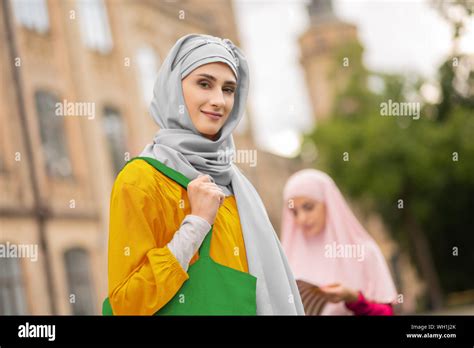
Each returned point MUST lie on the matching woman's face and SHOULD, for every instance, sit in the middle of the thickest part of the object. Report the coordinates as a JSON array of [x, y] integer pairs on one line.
[[209, 96], [310, 215]]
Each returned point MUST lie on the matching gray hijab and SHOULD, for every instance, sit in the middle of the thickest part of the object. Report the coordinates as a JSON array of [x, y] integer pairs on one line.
[[180, 146]]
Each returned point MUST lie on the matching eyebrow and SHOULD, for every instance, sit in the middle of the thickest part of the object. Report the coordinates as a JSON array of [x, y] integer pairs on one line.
[[210, 77]]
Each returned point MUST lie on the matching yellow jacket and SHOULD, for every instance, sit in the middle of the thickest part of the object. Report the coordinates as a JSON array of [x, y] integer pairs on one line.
[[146, 209]]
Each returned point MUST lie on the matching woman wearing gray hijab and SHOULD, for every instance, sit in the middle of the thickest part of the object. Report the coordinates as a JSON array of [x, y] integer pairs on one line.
[[188, 232]]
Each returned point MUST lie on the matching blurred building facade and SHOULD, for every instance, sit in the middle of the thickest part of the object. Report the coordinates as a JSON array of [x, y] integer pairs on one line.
[[99, 60]]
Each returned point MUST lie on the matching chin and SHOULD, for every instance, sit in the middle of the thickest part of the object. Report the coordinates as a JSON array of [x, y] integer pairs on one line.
[[208, 131], [313, 233]]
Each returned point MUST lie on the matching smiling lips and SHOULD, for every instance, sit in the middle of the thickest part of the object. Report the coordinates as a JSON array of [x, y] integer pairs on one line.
[[212, 115]]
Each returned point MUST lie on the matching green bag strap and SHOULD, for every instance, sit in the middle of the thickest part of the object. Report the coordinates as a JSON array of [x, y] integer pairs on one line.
[[205, 249], [169, 172], [182, 180]]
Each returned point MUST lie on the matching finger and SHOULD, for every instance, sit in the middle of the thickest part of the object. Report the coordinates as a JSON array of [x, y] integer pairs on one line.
[[222, 198], [330, 292], [210, 183], [218, 193], [329, 287], [211, 186], [204, 178]]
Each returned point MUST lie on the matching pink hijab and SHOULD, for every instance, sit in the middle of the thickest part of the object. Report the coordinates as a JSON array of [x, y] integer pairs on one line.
[[343, 252]]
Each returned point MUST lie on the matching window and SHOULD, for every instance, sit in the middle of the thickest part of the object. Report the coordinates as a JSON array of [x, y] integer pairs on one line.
[[81, 294], [52, 136], [12, 292], [147, 63], [32, 14], [115, 133], [94, 24]]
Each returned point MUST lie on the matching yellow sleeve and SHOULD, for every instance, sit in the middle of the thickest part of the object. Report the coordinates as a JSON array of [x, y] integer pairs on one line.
[[143, 276]]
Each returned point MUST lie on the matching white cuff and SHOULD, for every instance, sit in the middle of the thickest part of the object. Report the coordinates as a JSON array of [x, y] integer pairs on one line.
[[187, 240]]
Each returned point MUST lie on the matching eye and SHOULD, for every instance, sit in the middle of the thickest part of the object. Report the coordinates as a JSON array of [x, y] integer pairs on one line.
[[229, 90], [204, 84], [308, 206]]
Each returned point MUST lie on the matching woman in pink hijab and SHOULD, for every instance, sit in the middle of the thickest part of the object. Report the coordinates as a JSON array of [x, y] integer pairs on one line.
[[327, 246]]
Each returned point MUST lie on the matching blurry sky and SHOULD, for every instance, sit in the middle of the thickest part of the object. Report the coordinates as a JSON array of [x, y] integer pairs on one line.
[[398, 36]]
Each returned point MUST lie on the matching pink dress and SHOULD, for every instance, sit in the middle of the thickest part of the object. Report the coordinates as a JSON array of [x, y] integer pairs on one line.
[[364, 307]]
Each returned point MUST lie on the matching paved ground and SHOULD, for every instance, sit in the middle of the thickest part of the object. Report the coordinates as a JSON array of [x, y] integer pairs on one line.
[[461, 310]]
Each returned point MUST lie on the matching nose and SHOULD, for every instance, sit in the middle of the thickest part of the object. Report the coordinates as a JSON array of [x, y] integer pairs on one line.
[[217, 99]]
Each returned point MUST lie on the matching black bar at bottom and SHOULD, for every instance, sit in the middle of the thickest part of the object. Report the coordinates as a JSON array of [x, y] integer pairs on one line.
[[135, 331]]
